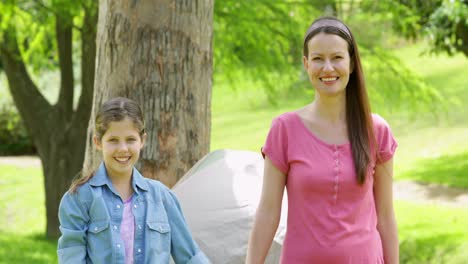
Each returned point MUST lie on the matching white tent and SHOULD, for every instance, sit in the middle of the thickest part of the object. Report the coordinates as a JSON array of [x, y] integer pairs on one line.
[[219, 197]]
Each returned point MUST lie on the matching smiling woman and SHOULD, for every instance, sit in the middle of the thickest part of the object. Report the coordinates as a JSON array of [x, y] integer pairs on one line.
[[328, 65], [336, 160]]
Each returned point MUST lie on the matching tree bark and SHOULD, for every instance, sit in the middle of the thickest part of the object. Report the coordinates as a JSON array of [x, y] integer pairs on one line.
[[58, 132], [159, 53]]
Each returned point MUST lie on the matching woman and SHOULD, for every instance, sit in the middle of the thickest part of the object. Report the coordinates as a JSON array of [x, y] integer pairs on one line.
[[335, 159]]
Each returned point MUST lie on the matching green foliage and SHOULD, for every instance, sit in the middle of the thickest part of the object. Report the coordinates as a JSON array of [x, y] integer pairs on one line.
[[444, 22], [35, 25], [262, 38], [448, 27], [393, 87], [13, 135]]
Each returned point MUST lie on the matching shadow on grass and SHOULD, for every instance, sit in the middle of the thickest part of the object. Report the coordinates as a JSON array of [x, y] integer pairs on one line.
[[437, 249], [27, 249], [449, 170]]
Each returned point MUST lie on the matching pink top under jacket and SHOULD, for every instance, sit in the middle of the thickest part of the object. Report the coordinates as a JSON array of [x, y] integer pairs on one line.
[[331, 218]]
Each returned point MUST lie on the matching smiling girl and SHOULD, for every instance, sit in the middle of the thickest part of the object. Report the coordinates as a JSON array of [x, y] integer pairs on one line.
[[115, 215]]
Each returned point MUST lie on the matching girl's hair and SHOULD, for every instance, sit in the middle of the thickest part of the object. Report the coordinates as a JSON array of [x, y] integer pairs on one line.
[[358, 112], [114, 110]]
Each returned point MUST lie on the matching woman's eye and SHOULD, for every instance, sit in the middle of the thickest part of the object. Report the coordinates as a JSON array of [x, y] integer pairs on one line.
[[338, 57], [113, 140], [316, 59]]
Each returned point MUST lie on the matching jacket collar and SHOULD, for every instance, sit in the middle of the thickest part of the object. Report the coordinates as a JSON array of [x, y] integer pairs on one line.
[[101, 178]]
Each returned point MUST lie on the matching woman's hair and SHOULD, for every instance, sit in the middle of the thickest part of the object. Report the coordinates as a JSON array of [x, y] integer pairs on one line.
[[114, 110], [358, 112]]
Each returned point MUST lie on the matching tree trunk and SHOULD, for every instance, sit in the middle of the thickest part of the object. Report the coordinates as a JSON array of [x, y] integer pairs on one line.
[[158, 53], [58, 131]]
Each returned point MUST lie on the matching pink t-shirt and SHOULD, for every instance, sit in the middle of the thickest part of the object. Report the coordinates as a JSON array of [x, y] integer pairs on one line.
[[331, 218], [127, 230]]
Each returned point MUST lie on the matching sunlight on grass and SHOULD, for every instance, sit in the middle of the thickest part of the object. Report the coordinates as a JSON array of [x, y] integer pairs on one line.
[[22, 201], [31, 248], [432, 234]]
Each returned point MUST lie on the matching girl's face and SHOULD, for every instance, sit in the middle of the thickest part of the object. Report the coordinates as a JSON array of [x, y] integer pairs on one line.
[[120, 146], [328, 64]]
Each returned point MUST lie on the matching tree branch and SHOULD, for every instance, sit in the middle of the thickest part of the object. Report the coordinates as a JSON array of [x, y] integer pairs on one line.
[[63, 30], [31, 104], [88, 58]]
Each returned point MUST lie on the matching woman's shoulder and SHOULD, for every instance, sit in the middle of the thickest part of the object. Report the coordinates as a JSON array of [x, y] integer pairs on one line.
[[286, 118], [379, 122]]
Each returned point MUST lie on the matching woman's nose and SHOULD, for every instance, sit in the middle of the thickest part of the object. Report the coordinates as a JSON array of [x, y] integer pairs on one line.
[[327, 66]]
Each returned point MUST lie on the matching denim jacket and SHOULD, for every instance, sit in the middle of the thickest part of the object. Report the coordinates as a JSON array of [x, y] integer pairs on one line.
[[90, 222]]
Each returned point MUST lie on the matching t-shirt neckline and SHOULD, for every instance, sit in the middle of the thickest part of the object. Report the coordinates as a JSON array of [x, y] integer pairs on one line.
[[315, 137]]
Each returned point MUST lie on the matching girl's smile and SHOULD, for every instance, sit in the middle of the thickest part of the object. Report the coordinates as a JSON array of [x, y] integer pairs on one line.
[[120, 146]]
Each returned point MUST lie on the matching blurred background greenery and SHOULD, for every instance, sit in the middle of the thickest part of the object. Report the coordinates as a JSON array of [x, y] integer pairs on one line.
[[415, 66]]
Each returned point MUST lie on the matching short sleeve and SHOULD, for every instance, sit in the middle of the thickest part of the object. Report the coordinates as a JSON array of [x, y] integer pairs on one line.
[[385, 140], [276, 145]]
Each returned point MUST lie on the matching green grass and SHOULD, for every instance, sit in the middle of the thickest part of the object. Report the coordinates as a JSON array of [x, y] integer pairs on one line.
[[435, 148], [432, 234], [22, 217]]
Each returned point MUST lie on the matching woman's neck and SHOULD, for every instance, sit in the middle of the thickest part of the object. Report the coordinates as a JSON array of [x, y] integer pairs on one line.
[[332, 109]]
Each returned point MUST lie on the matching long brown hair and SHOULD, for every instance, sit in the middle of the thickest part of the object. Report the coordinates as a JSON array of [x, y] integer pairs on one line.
[[113, 110], [358, 112]]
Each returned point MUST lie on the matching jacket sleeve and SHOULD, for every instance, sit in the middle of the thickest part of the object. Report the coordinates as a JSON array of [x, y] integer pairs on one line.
[[73, 220], [184, 249]]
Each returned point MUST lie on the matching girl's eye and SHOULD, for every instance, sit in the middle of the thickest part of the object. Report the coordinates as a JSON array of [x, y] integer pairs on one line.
[[338, 57], [316, 59], [131, 139], [113, 140]]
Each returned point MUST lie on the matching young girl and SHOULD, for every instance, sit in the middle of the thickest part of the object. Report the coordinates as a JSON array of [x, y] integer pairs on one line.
[[116, 215], [336, 160]]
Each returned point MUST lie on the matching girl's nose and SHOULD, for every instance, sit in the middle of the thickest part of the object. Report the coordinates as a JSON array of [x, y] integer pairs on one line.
[[122, 146]]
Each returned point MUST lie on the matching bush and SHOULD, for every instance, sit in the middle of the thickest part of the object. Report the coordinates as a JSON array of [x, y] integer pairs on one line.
[[13, 135]]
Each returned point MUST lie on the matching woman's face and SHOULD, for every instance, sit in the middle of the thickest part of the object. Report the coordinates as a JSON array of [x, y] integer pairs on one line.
[[328, 64]]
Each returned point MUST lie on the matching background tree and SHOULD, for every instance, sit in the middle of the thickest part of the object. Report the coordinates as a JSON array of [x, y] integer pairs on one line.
[[57, 130], [443, 22], [158, 53]]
